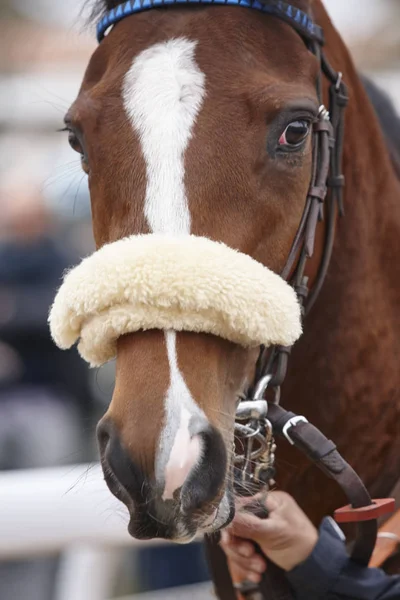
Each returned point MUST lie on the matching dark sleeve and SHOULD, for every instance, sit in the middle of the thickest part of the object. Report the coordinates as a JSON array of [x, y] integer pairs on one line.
[[329, 573]]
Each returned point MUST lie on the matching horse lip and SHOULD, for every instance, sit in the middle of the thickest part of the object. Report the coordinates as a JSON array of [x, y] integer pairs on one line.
[[185, 540], [115, 487], [212, 518], [230, 505]]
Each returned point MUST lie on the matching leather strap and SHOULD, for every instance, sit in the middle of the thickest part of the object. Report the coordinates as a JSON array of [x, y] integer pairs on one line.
[[324, 454], [218, 565], [326, 176], [274, 585]]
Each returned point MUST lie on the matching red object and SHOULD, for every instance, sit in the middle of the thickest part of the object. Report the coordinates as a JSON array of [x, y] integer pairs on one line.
[[379, 507]]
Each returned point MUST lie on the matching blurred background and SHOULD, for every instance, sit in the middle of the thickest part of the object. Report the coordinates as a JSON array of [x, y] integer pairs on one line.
[[49, 400]]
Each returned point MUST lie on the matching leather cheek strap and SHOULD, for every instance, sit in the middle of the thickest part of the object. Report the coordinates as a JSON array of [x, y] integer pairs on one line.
[[323, 452]]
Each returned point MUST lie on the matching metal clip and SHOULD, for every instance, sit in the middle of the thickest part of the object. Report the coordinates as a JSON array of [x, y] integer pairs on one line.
[[323, 113], [339, 81], [251, 409], [264, 470], [255, 464], [262, 387], [291, 423]]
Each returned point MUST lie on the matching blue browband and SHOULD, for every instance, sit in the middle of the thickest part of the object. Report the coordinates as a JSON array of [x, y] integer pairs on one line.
[[296, 17]]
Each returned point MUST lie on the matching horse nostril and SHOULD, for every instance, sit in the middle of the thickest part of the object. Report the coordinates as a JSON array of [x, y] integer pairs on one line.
[[205, 482], [120, 471], [103, 432]]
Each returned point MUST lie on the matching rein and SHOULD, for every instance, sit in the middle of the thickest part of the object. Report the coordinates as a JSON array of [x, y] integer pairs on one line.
[[258, 420]]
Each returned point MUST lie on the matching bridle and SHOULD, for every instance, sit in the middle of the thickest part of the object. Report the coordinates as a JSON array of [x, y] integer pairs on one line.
[[324, 202], [258, 420]]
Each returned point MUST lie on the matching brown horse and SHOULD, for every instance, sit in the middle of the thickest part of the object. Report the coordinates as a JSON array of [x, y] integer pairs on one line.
[[197, 120]]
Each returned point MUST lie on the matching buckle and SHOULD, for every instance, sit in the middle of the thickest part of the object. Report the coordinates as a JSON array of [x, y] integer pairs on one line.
[[292, 423], [379, 507], [323, 113]]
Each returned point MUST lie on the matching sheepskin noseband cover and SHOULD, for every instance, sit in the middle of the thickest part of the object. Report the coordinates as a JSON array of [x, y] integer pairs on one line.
[[162, 282]]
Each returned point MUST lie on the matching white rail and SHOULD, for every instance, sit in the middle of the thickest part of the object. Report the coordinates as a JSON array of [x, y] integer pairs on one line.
[[198, 591], [46, 510], [70, 510]]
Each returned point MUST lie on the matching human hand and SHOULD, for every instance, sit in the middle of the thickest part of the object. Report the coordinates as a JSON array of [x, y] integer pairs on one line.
[[287, 537]]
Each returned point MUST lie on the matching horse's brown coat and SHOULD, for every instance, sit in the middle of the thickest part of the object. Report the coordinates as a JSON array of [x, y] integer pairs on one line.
[[344, 373]]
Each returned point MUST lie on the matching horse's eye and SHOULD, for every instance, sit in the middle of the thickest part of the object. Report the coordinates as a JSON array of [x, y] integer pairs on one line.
[[77, 146], [74, 142], [295, 134]]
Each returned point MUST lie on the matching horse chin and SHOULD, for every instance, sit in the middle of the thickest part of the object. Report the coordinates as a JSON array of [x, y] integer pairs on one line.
[[225, 513], [219, 519], [179, 527], [222, 515]]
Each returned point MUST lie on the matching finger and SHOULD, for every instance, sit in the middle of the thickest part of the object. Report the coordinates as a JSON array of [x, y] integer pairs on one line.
[[255, 563], [248, 565], [241, 547], [239, 574], [250, 527], [271, 500], [241, 501], [242, 553]]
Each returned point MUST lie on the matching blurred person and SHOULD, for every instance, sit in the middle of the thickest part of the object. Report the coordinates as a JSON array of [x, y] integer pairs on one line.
[[32, 261], [43, 391]]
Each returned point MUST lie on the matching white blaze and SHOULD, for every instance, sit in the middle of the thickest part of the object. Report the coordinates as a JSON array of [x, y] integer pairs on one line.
[[185, 450], [163, 93]]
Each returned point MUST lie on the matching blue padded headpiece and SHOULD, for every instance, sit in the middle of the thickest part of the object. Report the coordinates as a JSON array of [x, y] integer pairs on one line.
[[292, 15]]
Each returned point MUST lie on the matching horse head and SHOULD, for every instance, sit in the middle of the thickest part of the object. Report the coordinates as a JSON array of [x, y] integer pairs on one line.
[[194, 127]]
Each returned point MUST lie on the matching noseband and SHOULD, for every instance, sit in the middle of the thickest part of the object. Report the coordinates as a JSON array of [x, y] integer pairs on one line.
[[257, 419]]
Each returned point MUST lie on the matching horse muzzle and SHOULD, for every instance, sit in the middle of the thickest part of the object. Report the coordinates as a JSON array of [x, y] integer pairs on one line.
[[200, 504]]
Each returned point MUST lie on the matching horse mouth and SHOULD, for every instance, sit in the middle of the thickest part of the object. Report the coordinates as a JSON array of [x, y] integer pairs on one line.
[[179, 528], [156, 520], [217, 520], [223, 515]]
